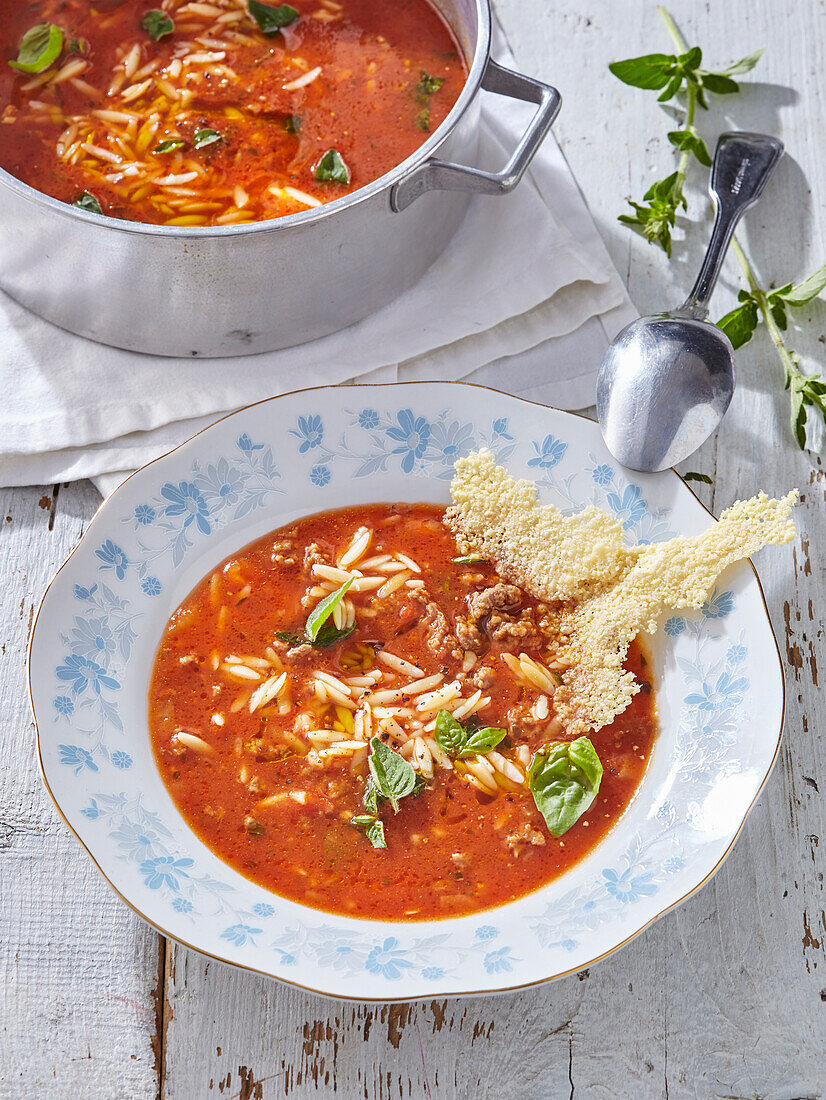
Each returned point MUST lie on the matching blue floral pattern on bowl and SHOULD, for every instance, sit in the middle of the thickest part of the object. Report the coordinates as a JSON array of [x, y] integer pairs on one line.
[[717, 674]]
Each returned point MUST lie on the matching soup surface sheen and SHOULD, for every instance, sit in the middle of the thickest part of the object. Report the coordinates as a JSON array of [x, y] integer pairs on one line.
[[272, 782], [216, 122]]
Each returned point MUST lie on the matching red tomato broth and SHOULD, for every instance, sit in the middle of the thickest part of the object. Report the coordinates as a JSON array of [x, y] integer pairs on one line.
[[308, 852], [366, 103]]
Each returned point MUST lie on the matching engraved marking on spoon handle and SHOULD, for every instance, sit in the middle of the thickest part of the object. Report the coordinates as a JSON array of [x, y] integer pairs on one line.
[[742, 165]]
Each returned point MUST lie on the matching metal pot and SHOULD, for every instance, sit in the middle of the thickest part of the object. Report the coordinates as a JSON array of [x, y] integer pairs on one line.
[[235, 290]]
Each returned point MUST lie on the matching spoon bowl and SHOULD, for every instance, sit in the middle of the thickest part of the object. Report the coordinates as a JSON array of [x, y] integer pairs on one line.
[[667, 380], [676, 376]]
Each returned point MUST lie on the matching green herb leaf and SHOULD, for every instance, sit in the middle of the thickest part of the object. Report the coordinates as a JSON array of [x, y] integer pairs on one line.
[[694, 476], [483, 740], [79, 45], [805, 292], [87, 202], [461, 741], [427, 85], [332, 167], [691, 140], [451, 736], [564, 779], [291, 639], [169, 146], [322, 612], [40, 47], [292, 124], [690, 60], [779, 315], [205, 137], [656, 220], [468, 559], [375, 834], [393, 776], [371, 797], [271, 19], [331, 635], [423, 119], [719, 84], [653, 70], [744, 65], [740, 323], [157, 24]]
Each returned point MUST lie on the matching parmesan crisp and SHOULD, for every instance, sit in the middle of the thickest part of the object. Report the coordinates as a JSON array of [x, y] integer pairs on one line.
[[604, 593]]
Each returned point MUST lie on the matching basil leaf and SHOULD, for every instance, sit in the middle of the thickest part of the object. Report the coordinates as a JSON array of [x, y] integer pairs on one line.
[[271, 19], [744, 65], [653, 70], [423, 119], [806, 291], [40, 46], [87, 202], [157, 24], [292, 124], [290, 638], [483, 740], [332, 167], [330, 634], [427, 85], [371, 797], [740, 323], [691, 140], [450, 734], [719, 84], [205, 137], [375, 834], [324, 610], [468, 559], [564, 779], [169, 146], [692, 475], [79, 45], [391, 773]]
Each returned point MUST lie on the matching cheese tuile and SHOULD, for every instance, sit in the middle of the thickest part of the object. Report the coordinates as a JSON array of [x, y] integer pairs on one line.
[[618, 593], [554, 557]]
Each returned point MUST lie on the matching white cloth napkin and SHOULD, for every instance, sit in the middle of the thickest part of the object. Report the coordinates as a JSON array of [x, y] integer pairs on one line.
[[524, 299]]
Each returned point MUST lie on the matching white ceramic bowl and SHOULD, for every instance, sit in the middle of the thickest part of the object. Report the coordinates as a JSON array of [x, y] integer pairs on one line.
[[718, 681]]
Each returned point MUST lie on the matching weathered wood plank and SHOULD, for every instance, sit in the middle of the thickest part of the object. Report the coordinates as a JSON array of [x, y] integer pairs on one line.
[[79, 972]]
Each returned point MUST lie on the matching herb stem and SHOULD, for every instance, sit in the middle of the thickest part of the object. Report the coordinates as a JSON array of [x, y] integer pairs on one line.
[[762, 300], [691, 92], [672, 28]]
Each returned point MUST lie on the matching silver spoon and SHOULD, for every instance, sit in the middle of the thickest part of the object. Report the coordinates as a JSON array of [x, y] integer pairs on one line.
[[667, 380]]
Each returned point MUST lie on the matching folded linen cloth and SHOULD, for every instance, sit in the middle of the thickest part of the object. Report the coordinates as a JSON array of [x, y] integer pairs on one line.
[[524, 299]]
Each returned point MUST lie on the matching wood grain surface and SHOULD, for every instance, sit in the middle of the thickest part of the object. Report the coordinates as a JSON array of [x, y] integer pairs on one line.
[[723, 998]]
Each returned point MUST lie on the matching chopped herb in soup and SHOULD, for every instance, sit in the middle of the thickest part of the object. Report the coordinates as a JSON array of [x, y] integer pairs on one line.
[[221, 112], [357, 718]]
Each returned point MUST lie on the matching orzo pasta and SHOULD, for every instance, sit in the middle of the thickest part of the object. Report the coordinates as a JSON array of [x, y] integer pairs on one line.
[[220, 112]]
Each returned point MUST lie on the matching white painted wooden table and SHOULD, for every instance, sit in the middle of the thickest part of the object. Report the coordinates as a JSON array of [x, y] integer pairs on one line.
[[726, 997]]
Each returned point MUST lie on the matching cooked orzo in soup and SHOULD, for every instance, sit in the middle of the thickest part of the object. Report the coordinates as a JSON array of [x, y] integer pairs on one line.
[[217, 112], [360, 719]]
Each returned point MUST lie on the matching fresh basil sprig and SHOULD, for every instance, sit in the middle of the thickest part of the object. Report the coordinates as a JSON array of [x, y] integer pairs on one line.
[[205, 137], [393, 777], [87, 202], [169, 146], [39, 48], [460, 741], [157, 24], [655, 217], [271, 19], [373, 828], [564, 779], [318, 631], [332, 167]]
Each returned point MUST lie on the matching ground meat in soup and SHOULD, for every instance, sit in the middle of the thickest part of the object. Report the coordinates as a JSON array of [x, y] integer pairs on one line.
[[262, 738]]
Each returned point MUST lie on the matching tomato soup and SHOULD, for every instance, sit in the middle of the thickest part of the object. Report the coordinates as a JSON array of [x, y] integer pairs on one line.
[[356, 718], [218, 112]]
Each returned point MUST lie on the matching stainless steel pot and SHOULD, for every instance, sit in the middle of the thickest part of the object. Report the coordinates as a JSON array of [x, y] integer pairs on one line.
[[235, 290]]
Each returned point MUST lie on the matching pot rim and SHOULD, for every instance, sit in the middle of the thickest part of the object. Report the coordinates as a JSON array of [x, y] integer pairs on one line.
[[476, 71]]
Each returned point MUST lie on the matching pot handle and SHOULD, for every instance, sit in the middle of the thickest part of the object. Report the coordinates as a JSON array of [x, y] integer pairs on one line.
[[438, 175]]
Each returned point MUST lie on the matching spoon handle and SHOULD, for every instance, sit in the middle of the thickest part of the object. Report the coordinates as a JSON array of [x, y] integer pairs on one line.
[[742, 165]]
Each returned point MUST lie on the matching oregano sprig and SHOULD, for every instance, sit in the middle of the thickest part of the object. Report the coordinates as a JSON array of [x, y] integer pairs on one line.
[[682, 74]]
